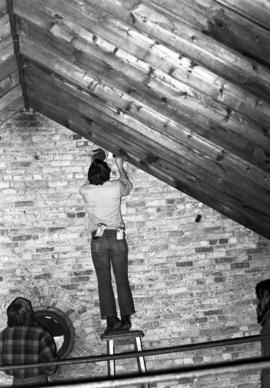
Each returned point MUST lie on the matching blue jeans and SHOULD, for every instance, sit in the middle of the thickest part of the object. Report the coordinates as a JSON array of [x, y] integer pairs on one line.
[[107, 251]]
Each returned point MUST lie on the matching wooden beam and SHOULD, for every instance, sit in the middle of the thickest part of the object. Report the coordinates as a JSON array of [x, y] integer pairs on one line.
[[17, 53]]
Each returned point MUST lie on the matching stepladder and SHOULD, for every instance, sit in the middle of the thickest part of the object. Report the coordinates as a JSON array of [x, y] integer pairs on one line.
[[132, 337]]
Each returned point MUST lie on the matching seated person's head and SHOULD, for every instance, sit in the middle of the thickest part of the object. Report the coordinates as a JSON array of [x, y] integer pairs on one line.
[[263, 298], [99, 172], [20, 313]]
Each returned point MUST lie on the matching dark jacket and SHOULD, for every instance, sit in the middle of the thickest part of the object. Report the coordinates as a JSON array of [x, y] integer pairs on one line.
[[265, 347]]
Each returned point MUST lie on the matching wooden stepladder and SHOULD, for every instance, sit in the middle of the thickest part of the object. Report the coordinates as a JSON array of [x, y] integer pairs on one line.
[[134, 337]]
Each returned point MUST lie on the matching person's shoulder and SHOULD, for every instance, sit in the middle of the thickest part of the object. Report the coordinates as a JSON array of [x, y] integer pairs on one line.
[[4, 332], [115, 184], [8, 330], [86, 187], [266, 320], [36, 330]]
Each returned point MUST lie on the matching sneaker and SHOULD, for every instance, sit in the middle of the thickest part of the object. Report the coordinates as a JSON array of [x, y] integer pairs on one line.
[[113, 323], [126, 323]]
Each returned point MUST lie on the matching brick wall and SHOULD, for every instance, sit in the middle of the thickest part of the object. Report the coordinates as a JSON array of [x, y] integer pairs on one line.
[[192, 277]]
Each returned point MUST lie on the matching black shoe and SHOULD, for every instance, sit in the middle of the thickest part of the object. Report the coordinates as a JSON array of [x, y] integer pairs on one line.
[[126, 322], [113, 323]]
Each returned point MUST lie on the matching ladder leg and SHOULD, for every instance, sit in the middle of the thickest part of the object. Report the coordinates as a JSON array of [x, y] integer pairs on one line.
[[111, 363], [140, 359]]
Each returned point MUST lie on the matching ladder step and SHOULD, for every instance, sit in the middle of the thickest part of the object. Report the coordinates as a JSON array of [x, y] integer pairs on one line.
[[120, 334]]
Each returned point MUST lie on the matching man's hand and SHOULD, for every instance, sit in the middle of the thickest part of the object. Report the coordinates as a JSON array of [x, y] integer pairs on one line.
[[126, 184], [118, 161]]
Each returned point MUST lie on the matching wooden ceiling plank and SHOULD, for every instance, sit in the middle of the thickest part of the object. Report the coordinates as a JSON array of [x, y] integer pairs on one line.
[[187, 136], [230, 120], [258, 11], [101, 134], [104, 92], [180, 69], [195, 79], [220, 59], [86, 103], [245, 188], [195, 124], [4, 27], [225, 87], [252, 71], [82, 126], [155, 119], [261, 156], [224, 25], [3, 7], [9, 83], [121, 130], [144, 114], [100, 89], [11, 109], [12, 95], [7, 67], [6, 49], [26, 9], [246, 168]]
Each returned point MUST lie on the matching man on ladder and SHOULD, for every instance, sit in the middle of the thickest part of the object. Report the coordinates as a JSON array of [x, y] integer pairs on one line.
[[102, 200]]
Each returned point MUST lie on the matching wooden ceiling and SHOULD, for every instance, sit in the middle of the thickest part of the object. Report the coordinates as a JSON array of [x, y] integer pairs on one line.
[[11, 100], [180, 87]]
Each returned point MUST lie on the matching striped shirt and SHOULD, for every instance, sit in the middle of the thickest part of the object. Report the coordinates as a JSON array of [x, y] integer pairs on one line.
[[27, 344]]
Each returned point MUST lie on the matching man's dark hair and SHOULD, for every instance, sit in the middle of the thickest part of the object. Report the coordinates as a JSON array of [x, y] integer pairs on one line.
[[99, 172], [20, 313]]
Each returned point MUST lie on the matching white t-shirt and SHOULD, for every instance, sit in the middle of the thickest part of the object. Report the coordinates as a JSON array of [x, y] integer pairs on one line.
[[102, 203]]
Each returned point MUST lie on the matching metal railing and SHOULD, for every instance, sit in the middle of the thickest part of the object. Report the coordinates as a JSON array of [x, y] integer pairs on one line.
[[162, 375], [167, 376]]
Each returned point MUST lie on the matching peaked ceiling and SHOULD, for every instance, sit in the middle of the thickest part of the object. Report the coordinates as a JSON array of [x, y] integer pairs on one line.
[[180, 87]]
